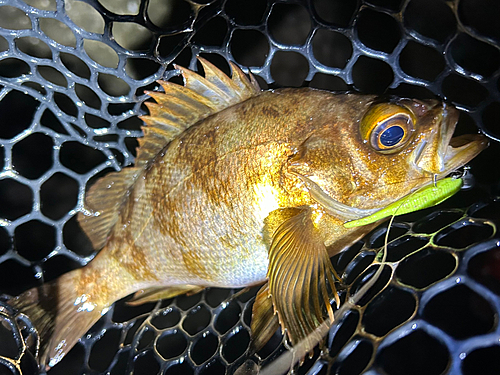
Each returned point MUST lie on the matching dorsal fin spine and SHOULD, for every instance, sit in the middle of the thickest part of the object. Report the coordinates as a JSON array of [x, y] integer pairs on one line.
[[196, 100], [177, 93], [175, 110], [173, 118]]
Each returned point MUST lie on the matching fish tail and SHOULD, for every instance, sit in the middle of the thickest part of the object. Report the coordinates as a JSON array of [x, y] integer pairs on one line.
[[59, 316]]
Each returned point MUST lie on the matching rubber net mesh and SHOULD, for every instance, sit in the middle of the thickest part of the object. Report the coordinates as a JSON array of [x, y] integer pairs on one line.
[[72, 81]]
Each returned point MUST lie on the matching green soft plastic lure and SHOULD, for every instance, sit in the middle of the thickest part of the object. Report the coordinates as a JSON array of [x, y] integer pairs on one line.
[[425, 197]]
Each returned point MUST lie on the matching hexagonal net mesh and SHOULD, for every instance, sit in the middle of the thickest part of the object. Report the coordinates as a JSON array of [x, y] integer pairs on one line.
[[72, 81]]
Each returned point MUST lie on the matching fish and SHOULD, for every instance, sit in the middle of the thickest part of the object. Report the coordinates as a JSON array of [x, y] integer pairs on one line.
[[234, 186]]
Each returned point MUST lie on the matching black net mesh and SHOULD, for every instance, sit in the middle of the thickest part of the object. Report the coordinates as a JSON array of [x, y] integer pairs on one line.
[[72, 81]]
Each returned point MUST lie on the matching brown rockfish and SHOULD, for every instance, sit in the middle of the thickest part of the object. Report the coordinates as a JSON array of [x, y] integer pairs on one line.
[[233, 187]]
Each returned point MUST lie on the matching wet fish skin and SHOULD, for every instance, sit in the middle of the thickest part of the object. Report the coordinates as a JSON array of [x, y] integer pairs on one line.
[[229, 177], [208, 229], [256, 191]]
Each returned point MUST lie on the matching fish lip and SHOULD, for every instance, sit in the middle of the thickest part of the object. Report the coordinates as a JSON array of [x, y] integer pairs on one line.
[[450, 153], [458, 156], [458, 151]]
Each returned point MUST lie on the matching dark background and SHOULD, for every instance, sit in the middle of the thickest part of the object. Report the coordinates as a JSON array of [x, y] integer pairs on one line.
[[72, 81]]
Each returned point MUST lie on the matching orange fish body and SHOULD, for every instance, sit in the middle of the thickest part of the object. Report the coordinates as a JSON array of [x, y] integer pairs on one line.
[[235, 187], [197, 215]]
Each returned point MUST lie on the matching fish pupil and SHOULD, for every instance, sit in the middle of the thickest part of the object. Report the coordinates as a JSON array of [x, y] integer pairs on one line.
[[391, 136]]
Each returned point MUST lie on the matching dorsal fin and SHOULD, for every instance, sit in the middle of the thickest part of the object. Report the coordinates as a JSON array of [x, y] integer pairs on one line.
[[103, 202], [179, 107], [175, 110]]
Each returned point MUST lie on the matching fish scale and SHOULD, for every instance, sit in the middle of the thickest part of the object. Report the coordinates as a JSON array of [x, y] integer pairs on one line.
[[394, 66], [240, 191]]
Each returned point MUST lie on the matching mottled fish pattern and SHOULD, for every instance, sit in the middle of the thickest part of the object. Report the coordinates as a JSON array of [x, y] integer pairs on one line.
[[233, 187]]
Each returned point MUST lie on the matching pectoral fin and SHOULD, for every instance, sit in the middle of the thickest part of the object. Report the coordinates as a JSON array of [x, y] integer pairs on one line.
[[156, 294], [301, 277]]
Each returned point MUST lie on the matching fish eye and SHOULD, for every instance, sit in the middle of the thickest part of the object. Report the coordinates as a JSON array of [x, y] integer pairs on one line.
[[391, 136], [390, 133], [387, 127]]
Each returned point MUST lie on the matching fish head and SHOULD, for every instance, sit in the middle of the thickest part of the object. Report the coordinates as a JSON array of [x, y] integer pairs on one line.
[[368, 153]]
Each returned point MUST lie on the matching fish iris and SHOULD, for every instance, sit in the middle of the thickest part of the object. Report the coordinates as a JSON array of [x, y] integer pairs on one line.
[[387, 127], [392, 136]]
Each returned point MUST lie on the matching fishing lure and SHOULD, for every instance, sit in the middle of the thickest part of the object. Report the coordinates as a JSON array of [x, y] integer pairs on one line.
[[425, 197]]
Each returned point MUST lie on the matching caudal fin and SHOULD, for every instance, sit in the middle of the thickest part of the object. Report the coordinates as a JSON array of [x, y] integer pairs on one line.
[[60, 316]]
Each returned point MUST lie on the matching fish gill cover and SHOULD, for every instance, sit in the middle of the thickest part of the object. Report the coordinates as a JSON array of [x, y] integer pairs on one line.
[[72, 82]]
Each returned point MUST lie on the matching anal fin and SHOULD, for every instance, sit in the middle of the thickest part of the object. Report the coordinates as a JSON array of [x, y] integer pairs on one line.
[[159, 293]]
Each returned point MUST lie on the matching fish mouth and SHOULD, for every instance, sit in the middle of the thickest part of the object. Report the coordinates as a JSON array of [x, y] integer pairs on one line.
[[440, 153]]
